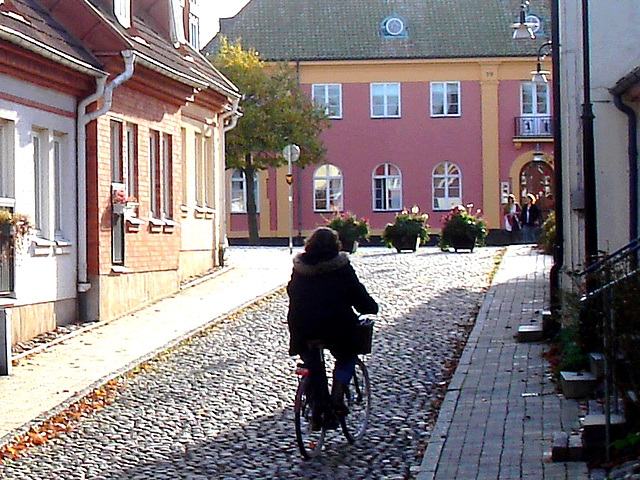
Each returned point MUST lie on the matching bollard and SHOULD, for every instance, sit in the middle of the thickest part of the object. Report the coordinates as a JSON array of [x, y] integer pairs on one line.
[[5, 341]]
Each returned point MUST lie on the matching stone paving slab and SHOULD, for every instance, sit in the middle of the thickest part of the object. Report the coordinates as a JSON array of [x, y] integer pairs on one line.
[[64, 372], [501, 410]]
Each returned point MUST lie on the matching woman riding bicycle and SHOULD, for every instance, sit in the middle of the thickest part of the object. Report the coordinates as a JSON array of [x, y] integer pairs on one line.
[[323, 291]]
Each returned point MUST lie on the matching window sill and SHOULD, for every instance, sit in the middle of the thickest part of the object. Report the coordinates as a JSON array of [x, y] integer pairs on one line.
[[204, 212], [7, 302], [119, 269], [42, 247], [184, 211]]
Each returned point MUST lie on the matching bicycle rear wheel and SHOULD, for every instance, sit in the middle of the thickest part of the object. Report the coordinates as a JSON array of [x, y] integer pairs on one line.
[[309, 441], [358, 400]]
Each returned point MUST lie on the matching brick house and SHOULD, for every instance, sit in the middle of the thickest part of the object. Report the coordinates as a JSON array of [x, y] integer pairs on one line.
[[129, 120], [428, 106]]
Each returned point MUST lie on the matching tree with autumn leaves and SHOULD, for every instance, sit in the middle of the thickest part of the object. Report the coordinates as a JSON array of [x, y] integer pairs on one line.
[[275, 113]]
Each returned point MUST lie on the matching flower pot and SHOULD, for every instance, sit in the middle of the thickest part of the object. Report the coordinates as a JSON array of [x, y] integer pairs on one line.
[[118, 208], [406, 243], [463, 243], [349, 245]]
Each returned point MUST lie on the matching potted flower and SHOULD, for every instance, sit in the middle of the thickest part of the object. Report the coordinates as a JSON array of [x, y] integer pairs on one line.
[[463, 230], [350, 230], [14, 227], [408, 231], [122, 203]]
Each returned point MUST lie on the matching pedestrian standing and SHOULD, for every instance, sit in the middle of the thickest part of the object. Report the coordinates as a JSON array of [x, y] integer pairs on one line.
[[511, 213], [530, 219]]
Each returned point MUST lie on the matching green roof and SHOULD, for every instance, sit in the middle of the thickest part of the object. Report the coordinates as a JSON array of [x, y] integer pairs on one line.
[[353, 29]]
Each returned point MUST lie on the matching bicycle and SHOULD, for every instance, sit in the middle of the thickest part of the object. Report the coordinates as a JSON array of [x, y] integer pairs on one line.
[[357, 399]]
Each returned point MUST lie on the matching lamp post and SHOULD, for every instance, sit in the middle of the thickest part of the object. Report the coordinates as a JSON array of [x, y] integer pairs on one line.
[[291, 153]]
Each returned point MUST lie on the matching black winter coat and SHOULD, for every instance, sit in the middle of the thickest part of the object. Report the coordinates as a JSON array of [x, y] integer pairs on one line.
[[322, 291]]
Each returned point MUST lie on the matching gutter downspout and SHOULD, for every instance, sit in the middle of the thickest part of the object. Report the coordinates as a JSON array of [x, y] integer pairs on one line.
[[84, 118], [558, 247], [232, 117], [632, 128]]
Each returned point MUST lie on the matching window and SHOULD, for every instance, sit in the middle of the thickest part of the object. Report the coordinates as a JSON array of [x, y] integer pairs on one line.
[[387, 187], [199, 160], [329, 96], [445, 99], [154, 169], [117, 171], [58, 155], [209, 174], [122, 11], [393, 26], [327, 189], [40, 184], [385, 100], [239, 192], [131, 146], [167, 176], [194, 31], [184, 170], [7, 159], [534, 98], [446, 185]]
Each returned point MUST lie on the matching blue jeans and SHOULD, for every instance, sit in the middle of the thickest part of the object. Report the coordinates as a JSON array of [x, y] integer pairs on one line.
[[342, 372]]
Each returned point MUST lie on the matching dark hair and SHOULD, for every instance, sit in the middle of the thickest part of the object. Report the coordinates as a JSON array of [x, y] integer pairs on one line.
[[323, 238]]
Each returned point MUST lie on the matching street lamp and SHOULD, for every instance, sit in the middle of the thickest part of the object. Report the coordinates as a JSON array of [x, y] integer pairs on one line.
[[291, 153], [539, 75], [523, 29]]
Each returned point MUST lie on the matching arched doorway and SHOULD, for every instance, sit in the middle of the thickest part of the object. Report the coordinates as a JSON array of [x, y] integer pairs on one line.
[[537, 177]]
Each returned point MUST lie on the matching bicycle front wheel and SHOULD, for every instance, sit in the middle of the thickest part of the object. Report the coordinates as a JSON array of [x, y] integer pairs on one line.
[[310, 441], [358, 400]]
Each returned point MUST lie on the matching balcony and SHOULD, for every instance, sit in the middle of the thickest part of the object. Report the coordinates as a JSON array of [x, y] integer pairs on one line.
[[533, 127]]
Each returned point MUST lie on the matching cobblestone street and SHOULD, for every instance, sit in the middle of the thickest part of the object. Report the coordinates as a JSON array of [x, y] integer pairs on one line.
[[220, 406]]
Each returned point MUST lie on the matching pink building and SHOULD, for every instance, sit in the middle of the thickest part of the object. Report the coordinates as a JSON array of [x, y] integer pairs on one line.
[[424, 110]]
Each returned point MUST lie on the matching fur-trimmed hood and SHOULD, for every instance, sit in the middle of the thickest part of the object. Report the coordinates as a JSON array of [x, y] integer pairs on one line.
[[339, 261]]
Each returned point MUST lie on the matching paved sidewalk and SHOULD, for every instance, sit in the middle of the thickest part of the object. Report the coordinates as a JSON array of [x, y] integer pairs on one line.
[[65, 372], [501, 410]]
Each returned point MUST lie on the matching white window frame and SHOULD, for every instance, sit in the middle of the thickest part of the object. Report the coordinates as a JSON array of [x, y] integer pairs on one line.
[[209, 172], [41, 184], [194, 31], [324, 95], [199, 158], [391, 182], [117, 153], [131, 157], [238, 191], [535, 88], [122, 11], [166, 156], [58, 152], [386, 95], [444, 181], [442, 93], [154, 207], [7, 162], [330, 176]]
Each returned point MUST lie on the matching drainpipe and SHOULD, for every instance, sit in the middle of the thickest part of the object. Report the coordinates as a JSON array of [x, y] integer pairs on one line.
[[84, 118], [558, 247], [632, 140], [232, 117]]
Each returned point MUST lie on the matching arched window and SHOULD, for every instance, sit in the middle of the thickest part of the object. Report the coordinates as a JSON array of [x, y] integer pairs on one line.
[[327, 188], [239, 192], [387, 187], [447, 186]]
